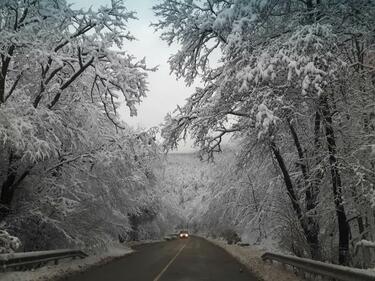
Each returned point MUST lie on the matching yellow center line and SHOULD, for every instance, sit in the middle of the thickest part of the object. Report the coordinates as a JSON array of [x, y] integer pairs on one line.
[[157, 278]]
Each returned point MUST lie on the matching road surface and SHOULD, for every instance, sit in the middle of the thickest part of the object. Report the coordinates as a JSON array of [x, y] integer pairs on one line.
[[192, 259]]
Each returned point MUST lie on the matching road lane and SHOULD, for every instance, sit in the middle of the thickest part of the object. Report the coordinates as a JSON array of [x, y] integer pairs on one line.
[[192, 259], [203, 261], [160, 275]]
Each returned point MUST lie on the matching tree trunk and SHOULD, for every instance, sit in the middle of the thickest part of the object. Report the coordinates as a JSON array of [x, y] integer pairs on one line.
[[361, 228], [5, 61], [312, 235], [313, 189], [7, 190], [344, 228], [6, 195], [9, 186], [310, 227], [287, 180], [2, 89], [134, 223]]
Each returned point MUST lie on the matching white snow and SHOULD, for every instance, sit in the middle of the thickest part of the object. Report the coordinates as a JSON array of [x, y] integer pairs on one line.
[[366, 243], [8, 243], [264, 119], [251, 258], [67, 267]]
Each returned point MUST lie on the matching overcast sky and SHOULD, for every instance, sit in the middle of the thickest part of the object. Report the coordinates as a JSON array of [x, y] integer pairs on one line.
[[164, 91]]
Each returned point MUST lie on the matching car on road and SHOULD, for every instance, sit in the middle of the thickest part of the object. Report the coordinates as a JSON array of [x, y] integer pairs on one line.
[[184, 234]]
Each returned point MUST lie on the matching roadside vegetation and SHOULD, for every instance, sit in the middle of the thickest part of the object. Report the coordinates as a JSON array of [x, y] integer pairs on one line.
[[71, 172], [283, 117], [292, 82]]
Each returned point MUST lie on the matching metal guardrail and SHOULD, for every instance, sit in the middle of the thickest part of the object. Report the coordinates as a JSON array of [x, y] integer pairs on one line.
[[37, 259], [338, 272]]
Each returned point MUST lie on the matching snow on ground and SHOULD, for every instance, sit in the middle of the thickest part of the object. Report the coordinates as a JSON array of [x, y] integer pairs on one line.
[[251, 258], [67, 267], [135, 243], [365, 243]]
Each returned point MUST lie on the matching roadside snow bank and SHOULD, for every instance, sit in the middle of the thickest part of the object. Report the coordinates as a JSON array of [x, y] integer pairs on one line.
[[136, 243], [67, 267], [251, 258]]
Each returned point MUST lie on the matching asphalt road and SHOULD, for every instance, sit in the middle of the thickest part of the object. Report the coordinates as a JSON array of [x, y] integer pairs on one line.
[[192, 259]]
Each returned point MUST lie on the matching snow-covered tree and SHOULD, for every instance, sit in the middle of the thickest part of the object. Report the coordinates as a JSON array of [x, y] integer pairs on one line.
[[72, 172], [282, 86], [56, 64]]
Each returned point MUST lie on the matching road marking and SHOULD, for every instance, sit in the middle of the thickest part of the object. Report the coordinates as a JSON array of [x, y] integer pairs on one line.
[[157, 278]]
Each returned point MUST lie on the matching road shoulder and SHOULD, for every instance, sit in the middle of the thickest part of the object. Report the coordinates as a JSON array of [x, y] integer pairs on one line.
[[69, 267], [251, 258]]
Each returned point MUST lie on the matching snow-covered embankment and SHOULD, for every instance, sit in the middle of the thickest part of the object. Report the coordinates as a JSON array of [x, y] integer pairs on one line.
[[251, 258]]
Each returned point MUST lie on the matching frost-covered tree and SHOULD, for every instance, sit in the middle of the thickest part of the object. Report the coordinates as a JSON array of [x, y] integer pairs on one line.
[[91, 200], [282, 86], [56, 64], [184, 181], [71, 172]]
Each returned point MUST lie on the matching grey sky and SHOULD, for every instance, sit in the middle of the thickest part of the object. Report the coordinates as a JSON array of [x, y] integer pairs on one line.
[[164, 91]]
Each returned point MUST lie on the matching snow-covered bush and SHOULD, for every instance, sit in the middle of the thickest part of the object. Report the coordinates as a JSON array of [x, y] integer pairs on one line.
[[230, 236], [8, 243]]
